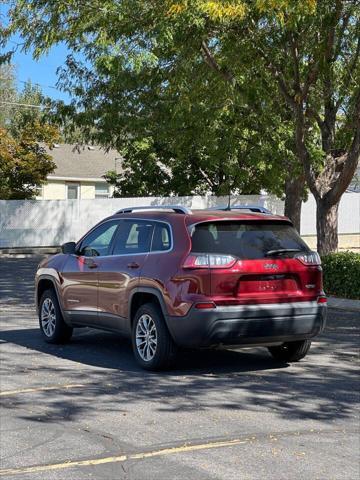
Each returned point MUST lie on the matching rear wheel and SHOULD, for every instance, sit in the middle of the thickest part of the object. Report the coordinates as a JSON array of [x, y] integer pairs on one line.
[[290, 351], [153, 346], [52, 325]]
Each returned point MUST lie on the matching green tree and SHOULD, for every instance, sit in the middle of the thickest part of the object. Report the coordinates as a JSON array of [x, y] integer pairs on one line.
[[24, 163], [14, 114], [307, 52], [139, 85], [23, 116], [8, 93], [187, 144], [314, 59], [310, 51]]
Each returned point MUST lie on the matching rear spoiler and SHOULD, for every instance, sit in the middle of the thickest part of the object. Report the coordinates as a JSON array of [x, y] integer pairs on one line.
[[251, 208]]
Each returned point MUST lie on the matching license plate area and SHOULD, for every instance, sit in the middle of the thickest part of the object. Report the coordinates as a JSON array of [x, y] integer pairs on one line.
[[267, 284]]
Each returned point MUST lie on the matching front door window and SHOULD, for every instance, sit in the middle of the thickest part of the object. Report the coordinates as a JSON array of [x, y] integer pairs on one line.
[[98, 242]]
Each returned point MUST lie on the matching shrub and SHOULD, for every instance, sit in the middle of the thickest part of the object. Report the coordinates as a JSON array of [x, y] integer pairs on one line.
[[342, 274]]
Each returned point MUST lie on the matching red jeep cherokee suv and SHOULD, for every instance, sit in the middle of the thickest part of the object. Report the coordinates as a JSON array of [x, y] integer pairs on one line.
[[168, 277]]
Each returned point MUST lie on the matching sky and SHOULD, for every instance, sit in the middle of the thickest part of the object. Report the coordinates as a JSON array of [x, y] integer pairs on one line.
[[43, 71]]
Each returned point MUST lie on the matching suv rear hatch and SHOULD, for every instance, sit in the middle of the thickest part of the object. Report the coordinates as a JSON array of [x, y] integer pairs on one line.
[[255, 261]]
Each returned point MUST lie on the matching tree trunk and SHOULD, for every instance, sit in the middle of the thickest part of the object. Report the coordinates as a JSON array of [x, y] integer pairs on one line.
[[294, 190], [326, 226]]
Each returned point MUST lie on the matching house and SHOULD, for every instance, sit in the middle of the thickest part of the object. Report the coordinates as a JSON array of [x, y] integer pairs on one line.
[[79, 173]]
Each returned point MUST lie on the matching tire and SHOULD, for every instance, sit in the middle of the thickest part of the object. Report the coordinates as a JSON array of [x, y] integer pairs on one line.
[[290, 351], [51, 321], [153, 347]]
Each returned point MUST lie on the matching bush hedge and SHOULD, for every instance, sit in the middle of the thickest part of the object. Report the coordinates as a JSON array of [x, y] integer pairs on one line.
[[342, 274]]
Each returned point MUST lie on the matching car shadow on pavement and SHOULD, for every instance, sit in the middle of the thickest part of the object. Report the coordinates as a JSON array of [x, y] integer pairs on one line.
[[107, 350], [201, 380]]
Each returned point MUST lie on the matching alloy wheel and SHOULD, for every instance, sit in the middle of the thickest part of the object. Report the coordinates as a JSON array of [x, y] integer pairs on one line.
[[48, 317], [146, 337]]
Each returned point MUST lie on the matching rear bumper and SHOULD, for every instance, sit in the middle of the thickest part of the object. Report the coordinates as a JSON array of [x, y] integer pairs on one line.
[[249, 324]]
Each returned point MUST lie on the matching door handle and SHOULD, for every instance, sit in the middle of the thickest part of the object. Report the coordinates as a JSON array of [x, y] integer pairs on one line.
[[91, 264], [133, 265]]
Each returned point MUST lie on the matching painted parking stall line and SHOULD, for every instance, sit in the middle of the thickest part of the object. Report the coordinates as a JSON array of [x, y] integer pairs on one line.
[[123, 458], [8, 393]]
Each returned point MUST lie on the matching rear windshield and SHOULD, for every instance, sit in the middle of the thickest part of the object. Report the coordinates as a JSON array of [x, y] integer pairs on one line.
[[247, 240]]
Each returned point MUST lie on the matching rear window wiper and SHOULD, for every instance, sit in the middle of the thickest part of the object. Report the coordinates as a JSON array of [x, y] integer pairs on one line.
[[280, 251]]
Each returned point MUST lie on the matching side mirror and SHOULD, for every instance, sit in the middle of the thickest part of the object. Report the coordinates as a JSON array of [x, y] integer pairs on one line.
[[68, 248]]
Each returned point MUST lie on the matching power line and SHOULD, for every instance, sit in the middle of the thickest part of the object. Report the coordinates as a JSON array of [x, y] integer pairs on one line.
[[39, 84], [32, 83], [23, 104]]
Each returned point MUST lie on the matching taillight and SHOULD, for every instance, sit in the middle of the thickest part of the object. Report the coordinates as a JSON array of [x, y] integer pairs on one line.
[[209, 260], [322, 299], [310, 258]]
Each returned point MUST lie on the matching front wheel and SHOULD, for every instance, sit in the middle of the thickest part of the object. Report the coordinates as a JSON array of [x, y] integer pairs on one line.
[[290, 351], [52, 325], [154, 349]]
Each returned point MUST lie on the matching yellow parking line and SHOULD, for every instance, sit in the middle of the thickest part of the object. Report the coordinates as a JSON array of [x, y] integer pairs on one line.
[[59, 466], [7, 393], [121, 458], [187, 448]]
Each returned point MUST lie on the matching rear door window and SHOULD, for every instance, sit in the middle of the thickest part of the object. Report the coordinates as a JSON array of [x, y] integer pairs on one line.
[[134, 236], [247, 239]]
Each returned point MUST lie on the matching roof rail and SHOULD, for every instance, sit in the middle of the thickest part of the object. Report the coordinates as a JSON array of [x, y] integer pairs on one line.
[[176, 208], [252, 208]]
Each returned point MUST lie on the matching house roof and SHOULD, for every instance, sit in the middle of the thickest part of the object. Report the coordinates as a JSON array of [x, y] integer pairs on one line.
[[90, 162]]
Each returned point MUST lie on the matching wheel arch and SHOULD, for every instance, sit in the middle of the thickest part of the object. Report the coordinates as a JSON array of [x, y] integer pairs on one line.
[[44, 283], [142, 295]]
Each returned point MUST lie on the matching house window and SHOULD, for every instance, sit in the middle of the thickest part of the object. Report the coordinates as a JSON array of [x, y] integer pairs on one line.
[[73, 191], [101, 190]]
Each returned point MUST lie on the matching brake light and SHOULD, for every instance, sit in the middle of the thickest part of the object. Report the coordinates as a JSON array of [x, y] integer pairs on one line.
[[209, 260], [322, 300], [310, 258]]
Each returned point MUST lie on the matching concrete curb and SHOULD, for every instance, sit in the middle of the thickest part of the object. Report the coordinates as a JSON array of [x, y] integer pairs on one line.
[[23, 252]]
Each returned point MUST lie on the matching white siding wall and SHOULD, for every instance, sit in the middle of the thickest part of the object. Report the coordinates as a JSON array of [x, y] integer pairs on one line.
[[56, 190], [53, 190], [87, 190]]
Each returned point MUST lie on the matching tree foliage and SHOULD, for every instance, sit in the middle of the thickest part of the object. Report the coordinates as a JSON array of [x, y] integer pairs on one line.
[[8, 93], [315, 61], [144, 71], [143, 82], [196, 149], [22, 116], [24, 163], [310, 52]]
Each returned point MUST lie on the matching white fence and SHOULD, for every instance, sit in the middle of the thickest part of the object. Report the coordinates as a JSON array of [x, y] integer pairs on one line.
[[32, 223]]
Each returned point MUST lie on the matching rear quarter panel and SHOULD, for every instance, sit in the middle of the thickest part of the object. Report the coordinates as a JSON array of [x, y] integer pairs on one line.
[[162, 271]]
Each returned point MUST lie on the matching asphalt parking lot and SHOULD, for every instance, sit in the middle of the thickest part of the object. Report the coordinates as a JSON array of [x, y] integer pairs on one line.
[[85, 410]]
